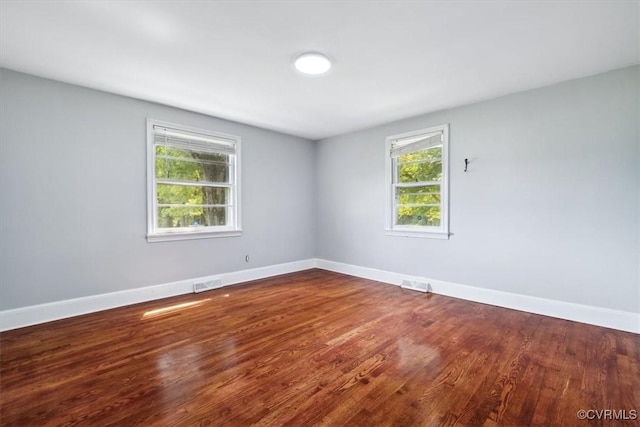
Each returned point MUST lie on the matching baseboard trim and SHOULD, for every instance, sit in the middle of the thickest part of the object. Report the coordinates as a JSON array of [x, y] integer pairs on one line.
[[36, 314], [599, 316]]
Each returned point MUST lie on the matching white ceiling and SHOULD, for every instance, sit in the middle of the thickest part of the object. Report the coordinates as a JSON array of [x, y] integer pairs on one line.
[[392, 59]]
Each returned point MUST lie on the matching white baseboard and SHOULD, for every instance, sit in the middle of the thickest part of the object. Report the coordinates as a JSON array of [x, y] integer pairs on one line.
[[32, 315], [615, 319], [35, 314]]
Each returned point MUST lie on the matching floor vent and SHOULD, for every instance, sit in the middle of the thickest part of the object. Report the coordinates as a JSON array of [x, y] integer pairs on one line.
[[416, 286], [207, 286]]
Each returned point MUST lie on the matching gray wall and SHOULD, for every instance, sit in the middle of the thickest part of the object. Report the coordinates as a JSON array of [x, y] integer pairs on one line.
[[73, 196], [549, 207]]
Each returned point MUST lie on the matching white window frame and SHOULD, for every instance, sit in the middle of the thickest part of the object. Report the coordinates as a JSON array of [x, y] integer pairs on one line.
[[155, 234], [391, 228]]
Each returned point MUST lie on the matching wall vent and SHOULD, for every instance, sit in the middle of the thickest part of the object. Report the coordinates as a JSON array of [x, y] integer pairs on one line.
[[207, 286], [416, 286]]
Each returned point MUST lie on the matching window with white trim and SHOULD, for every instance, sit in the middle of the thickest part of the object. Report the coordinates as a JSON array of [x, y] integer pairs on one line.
[[417, 183], [193, 188]]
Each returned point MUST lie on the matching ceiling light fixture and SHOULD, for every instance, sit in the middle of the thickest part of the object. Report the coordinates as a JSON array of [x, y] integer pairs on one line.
[[312, 63]]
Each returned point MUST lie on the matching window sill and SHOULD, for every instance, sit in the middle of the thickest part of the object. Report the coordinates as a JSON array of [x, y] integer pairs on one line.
[[443, 235], [167, 237]]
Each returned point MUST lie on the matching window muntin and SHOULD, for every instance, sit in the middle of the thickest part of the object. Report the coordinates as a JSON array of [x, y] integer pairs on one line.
[[417, 201], [193, 186]]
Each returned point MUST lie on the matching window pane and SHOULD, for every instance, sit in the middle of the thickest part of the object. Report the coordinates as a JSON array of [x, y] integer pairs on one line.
[[191, 195], [426, 154], [173, 163], [422, 195], [423, 165], [422, 215], [199, 216]]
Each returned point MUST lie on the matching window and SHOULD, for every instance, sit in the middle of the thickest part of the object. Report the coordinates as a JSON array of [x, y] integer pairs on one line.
[[193, 188], [417, 183]]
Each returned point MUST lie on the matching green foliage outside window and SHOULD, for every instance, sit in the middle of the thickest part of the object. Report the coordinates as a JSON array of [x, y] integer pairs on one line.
[[193, 167], [420, 166]]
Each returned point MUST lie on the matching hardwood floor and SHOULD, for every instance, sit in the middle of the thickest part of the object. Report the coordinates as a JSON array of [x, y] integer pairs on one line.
[[317, 348]]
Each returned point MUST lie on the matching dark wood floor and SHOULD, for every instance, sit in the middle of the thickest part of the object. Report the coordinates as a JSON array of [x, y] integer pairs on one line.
[[316, 348]]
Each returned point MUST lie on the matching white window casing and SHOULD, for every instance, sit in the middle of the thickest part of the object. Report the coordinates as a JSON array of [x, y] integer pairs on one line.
[[417, 183], [193, 183]]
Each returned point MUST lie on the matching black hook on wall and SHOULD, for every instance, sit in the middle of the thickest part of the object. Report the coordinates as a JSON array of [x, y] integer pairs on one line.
[[466, 163]]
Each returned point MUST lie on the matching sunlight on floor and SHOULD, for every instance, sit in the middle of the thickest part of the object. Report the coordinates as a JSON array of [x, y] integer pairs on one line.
[[173, 308]]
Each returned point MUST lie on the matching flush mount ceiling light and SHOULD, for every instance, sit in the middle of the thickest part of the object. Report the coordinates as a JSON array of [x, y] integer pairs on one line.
[[312, 63]]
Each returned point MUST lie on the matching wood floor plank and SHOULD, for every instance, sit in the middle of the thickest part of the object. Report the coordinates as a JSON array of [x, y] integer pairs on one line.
[[316, 348]]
